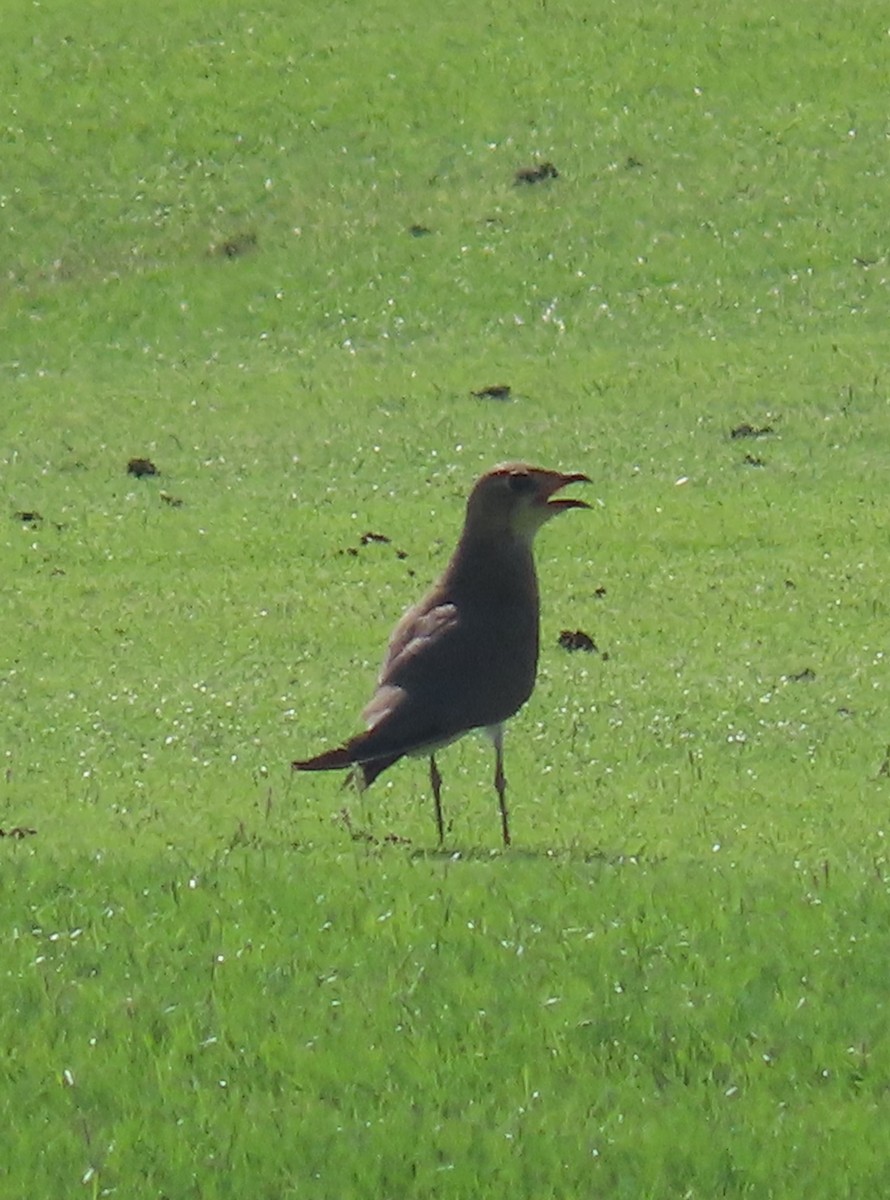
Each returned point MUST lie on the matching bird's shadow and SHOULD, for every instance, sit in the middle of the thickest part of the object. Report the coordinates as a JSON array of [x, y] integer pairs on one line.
[[555, 855], [452, 852]]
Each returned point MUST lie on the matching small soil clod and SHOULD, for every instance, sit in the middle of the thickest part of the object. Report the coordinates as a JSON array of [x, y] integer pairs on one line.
[[370, 538], [236, 246], [495, 391], [536, 174], [577, 639], [141, 467], [807, 675], [746, 430]]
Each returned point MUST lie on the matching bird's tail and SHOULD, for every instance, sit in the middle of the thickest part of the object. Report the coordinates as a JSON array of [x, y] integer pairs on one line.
[[370, 770], [348, 756], [330, 760]]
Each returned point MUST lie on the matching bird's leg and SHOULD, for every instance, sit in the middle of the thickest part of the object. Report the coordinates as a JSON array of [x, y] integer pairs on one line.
[[500, 781], [436, 784]]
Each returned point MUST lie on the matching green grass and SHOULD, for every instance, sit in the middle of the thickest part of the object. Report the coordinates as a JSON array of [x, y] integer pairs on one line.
[[674, 985], [366, 1022]]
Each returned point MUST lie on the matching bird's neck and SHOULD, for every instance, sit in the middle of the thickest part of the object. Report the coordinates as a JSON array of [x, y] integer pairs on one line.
[[503, 566]]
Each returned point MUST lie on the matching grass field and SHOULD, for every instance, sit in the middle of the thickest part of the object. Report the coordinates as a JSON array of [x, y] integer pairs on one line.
[[276, 254]]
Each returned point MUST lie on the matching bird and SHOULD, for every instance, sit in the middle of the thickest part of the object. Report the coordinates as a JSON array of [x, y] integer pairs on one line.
[[465, 656]]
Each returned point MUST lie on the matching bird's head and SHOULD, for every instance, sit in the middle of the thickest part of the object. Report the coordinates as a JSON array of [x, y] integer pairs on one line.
[[516, 499]]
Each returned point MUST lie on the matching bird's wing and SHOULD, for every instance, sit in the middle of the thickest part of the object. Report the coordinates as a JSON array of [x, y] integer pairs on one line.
[[418, 631], [401, 713], [444, 672]]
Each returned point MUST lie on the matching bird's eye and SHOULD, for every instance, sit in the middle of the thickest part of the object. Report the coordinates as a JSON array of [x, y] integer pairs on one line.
[[520, 481]]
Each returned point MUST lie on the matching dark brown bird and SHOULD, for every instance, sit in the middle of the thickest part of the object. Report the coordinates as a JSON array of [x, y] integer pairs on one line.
[[465, 657]]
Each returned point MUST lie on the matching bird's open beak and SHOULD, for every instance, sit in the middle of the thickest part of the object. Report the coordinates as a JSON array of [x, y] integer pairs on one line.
[[555, 482]]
